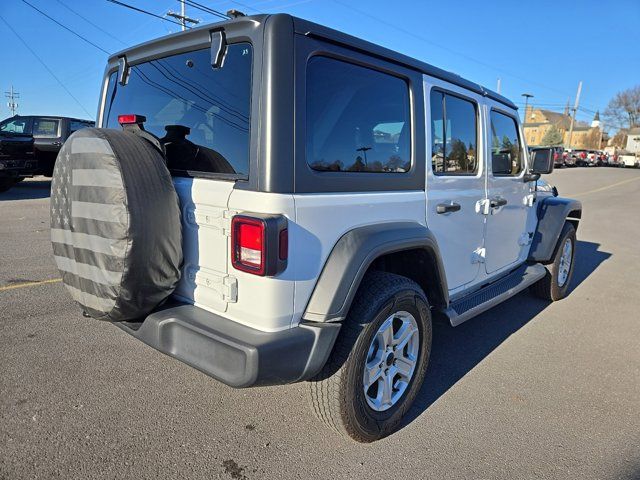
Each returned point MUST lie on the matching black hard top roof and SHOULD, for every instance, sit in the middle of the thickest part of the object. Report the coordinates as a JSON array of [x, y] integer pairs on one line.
[[305, 27]]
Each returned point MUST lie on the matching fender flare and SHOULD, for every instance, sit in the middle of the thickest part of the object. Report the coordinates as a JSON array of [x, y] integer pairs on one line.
[[552, 214], [352, 255]]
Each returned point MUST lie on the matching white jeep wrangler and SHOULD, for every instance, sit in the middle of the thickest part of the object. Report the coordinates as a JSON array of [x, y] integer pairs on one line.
[[272, 201]]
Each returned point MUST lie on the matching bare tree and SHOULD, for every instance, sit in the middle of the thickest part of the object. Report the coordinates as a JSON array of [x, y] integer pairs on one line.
[[624, 108], [620, 139]]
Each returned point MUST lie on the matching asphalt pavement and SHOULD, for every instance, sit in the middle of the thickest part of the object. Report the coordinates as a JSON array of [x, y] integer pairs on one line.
[[527, 390]]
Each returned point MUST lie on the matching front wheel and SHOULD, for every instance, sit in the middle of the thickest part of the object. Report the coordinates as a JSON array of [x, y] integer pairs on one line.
[[379, 361], [555, 284]]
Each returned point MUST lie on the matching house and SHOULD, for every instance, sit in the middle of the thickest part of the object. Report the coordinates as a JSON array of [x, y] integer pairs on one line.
[[633, 141]]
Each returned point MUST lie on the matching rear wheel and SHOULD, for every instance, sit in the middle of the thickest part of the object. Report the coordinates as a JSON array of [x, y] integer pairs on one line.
[[379, 361], [555, 284]]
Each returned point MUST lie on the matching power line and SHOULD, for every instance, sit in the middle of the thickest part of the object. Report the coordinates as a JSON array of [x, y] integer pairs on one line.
[[126, 5], [90, 22], [248, 7], [206, 9], [65, 27], [45, 66]]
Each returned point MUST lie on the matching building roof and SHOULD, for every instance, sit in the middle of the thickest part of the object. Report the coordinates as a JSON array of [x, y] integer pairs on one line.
[[634, 131]]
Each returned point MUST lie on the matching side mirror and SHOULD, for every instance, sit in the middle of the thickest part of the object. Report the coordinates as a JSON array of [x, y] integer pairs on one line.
[[542, 160]]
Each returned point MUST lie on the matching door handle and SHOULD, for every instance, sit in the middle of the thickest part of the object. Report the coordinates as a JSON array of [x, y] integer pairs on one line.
[[447, 207], [498, 202]]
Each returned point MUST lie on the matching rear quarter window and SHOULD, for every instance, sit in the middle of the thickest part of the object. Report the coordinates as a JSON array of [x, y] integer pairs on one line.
[[358, 119]]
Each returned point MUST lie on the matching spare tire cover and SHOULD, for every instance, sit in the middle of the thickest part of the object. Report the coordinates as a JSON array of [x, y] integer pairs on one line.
[[115, 224]]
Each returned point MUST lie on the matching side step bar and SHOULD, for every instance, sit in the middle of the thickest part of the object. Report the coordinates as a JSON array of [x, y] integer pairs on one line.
[[491, 295]]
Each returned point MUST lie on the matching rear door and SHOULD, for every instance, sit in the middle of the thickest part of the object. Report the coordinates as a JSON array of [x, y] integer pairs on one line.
[[510, 198], [455, 180], [202, 116]]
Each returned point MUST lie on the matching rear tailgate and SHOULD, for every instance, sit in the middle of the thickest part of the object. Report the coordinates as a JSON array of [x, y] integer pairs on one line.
[[205, 222]]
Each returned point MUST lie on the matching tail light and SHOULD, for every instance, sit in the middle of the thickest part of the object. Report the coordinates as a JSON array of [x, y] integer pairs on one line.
[[259, 244]]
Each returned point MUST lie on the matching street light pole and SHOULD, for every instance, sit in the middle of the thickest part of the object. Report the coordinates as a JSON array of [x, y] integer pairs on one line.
[[526, 96]]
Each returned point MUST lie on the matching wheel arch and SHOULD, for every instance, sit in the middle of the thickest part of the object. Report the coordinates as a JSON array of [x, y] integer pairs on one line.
[[403, 248], [552, 214]]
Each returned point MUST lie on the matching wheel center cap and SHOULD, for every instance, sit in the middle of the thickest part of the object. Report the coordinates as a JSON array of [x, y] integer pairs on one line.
[[390, 359]]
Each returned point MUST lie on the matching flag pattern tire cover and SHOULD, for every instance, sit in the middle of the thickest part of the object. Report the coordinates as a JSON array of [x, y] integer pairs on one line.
[[115, 224]]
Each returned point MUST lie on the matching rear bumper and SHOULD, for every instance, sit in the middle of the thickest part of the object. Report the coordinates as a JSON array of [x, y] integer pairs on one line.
[[235, 354]]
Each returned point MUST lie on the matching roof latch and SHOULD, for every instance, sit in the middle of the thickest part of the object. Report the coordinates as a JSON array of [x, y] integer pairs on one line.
[[218, 48]]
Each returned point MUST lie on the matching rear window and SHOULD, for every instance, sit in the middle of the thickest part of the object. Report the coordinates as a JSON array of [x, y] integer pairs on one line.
[[358, 119], [201, 114]]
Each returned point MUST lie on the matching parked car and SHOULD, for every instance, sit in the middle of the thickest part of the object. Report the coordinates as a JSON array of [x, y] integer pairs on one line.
[[582, 159], [558, 157], [270, 217], [29, 145], [596, 158], [569, 160], [627, 160]]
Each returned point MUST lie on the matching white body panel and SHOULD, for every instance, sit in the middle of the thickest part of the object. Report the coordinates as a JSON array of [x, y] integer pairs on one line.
[[321, 219], [266, 303]]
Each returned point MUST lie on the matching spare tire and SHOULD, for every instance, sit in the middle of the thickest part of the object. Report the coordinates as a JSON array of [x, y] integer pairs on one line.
[[115, 224]]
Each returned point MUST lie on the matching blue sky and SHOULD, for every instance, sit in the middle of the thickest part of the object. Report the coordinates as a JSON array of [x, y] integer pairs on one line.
[[539, 47]]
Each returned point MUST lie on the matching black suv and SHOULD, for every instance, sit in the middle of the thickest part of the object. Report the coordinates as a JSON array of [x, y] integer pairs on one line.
[[29, 145]]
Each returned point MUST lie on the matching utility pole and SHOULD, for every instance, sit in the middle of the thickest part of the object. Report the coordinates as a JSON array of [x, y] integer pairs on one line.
[[182, 16], [526, 96], [12, 95], [573, 117], [498, 87]]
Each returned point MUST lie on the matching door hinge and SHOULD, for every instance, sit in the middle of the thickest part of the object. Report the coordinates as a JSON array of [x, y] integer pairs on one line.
[[230, 289], [478, 255], [225, 286], [227, 215]]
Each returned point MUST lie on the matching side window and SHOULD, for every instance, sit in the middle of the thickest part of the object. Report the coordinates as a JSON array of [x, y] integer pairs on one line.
[[45, 127], [358, 119], [454, 135], [506, 148]]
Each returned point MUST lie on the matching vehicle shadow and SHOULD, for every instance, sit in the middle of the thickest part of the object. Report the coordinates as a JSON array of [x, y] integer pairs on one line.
[[28, 190], [456, 351]]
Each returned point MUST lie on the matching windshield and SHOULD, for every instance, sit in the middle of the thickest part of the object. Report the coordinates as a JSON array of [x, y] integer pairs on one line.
[[201, 114]]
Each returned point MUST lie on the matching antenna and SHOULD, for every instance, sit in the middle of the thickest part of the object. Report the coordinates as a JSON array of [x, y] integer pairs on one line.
[[12, 95]]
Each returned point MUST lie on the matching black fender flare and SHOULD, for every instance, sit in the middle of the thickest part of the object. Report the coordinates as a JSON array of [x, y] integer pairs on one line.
[[552, 214], [352, 255]]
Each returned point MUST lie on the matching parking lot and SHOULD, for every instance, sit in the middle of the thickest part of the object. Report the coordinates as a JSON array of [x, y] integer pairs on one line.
[[526, 390]]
